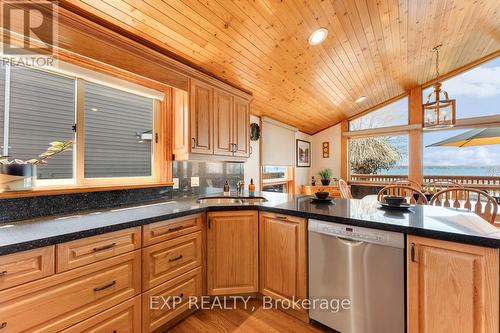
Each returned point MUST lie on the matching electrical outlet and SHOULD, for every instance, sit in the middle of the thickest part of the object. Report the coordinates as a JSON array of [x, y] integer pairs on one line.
[[176, 183], [195, 181]]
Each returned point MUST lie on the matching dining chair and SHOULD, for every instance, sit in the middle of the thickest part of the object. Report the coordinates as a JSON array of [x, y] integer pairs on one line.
[[436, 186], [406, 182], [472, 199], [414, 194], [345, 191]]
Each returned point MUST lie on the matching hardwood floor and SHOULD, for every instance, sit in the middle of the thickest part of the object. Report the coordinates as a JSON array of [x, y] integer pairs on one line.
[[254, 319]]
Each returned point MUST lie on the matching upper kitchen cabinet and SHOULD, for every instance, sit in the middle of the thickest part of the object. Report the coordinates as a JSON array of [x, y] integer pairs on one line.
[[201, 117], [210, 123]]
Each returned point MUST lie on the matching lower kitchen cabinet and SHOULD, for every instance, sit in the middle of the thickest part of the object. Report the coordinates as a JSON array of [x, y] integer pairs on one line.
[[123, 318], [283, 256], [232, 252], [452, 287]]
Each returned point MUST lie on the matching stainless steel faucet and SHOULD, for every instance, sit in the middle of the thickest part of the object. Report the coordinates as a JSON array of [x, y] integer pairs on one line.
[[240, 186]]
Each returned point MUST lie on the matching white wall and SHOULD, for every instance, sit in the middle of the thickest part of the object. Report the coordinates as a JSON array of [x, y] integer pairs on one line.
[[302, 175], [332, 135], [251, 166]]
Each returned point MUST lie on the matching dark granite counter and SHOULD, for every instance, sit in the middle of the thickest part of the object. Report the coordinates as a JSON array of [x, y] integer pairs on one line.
[[435, 222]]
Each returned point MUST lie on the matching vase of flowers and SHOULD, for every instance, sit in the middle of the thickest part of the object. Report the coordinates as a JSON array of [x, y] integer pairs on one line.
[[326, 176], [20, 175]]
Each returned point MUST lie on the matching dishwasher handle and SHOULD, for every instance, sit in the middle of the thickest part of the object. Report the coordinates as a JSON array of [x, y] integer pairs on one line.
[[349, 241]]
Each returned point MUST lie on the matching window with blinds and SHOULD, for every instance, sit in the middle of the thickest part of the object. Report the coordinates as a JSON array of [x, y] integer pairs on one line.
[[118, 132], [38, 107]]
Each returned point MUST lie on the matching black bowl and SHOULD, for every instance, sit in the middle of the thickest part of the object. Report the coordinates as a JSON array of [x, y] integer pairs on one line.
[[394, 200], [321, 195]]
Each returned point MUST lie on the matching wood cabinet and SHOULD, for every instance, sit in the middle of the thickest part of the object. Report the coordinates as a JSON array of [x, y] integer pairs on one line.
[[333, 190], [283, 256], [223, 123], [232, 252], [201, 117], [452, 287], [214, 125], [241, 127], [61, 300], [85, 251], [123, 318], [164, 230], [169, 259], [22, 267]]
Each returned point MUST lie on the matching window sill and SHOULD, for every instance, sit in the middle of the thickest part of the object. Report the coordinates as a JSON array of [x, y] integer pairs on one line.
[[68, 189]]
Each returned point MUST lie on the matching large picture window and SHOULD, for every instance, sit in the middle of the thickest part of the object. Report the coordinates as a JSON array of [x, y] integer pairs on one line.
[[377, 158], [393, 114], [477, 90], [117, 126]]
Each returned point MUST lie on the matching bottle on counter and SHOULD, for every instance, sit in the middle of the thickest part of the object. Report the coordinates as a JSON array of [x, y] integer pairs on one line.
[[251, 188], [226, 188], [313, 181]]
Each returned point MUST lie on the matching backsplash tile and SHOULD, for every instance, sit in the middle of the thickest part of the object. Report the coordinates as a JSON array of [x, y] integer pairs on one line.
[[212, 176], [13, 209]]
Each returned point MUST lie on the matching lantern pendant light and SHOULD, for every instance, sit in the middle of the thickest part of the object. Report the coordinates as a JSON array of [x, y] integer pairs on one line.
[[439, 110]]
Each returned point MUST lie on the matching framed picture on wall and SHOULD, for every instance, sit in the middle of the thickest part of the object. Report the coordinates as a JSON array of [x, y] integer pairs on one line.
[[303, 153]]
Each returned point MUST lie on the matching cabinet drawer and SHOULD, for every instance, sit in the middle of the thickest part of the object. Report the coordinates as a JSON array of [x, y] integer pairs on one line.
[[155, 314], [27, 266], [165, 230], [166, 260], [92, 249], [123, 318], [59, 301]]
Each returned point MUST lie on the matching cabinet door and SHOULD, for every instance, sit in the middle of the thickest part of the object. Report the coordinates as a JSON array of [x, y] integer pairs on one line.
[[201, 117], [241, 127], [232, 252], [283, 256], [452, 287], [223, 123]]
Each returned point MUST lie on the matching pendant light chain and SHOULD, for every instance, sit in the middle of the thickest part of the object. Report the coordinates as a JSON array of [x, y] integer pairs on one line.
[[436, 49]]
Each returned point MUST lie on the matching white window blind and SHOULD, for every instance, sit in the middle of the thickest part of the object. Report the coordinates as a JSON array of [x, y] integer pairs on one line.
[[278, 145]]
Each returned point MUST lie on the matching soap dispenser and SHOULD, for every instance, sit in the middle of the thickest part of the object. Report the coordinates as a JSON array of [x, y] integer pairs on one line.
[[251, 188], [226, 188]]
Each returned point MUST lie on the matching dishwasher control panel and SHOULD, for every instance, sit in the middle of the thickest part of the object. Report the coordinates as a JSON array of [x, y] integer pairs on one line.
[[387, 238]]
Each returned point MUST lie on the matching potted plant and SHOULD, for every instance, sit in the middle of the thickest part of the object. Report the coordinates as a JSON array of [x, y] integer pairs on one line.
[[18, 175], [326, 176]]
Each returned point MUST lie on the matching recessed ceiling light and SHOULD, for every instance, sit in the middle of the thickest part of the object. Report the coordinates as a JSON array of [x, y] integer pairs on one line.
[[318, 36], [360, 99]]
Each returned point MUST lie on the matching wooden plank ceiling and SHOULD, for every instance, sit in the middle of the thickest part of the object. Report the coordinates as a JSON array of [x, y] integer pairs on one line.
[[376, 48]]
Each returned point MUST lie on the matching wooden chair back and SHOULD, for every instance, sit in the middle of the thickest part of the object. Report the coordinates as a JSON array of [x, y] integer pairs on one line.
[[411, 194], [436, 186], [472, 199], [406, 182], [345, 191]]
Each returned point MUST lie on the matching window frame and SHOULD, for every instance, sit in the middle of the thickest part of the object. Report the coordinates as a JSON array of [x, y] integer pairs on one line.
[[78, 150], [288, 181]]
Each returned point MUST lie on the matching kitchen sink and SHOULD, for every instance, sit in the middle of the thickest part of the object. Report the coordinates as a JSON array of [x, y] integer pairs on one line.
[[254, 200], [215, 200], [231, 200]]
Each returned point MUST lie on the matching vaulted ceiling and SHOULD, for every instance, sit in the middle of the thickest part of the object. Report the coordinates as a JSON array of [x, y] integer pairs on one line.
[[376, 48]]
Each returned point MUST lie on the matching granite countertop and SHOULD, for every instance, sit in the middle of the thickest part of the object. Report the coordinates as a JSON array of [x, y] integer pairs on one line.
[[436, 222]]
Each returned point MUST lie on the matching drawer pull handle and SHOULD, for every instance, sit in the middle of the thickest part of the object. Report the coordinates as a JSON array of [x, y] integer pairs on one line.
[[3, 274], [3, 325], [105, 247], [109, 285], [175, 228], [280, 217], [176, 258]]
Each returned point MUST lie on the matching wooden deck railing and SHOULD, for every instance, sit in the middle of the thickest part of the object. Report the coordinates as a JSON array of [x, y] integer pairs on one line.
[[479, 182]]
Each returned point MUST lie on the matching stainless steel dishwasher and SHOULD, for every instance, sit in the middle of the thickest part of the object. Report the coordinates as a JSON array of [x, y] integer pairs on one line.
[[362, 267]]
